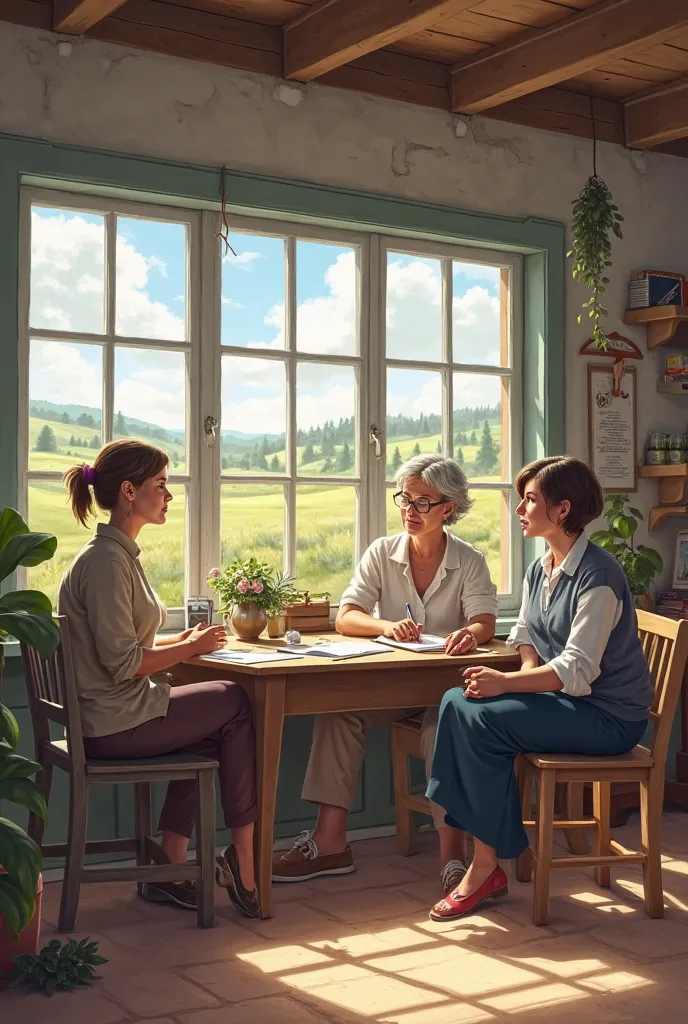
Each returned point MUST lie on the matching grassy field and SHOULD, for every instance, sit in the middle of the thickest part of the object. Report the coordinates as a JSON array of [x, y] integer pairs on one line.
[[63, 432], [252, 521]]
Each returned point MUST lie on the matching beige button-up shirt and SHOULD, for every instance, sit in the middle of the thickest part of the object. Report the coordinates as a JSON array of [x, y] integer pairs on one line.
[[113, 613], [462, 588]]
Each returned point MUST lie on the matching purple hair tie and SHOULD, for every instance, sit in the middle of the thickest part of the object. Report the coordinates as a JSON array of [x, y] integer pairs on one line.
[[89, 475]]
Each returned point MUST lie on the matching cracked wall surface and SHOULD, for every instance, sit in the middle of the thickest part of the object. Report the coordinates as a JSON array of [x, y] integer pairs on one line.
[[115, 98]]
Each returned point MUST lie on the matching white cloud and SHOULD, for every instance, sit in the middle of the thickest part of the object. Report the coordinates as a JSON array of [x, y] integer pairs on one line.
[[243, 260], [477, 271], [226, 301], [65, 373]]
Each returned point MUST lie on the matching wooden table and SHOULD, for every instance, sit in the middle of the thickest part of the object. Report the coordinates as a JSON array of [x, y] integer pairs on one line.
[[307, 686]]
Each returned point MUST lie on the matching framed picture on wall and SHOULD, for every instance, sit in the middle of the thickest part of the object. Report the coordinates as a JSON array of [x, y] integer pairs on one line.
[[612, 429], [680, 581]]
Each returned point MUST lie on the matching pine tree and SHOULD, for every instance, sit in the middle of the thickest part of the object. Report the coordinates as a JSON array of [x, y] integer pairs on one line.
[[64, 418], [265, 447], [460, 457], [416, 450], [439, 448], [72, 441], [94, 442], [344, 459], [327, 465], [396, 459], [46, 440], [473, 439], [308, 455], [120, 426], [274, 464], [486, 457]]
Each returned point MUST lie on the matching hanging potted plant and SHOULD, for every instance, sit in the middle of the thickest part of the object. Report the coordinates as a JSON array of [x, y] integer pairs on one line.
[[595, 219], [28, 616]]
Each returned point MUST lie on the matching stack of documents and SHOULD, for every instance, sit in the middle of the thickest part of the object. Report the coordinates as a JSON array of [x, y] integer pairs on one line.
[[251, 657], [337, 650]]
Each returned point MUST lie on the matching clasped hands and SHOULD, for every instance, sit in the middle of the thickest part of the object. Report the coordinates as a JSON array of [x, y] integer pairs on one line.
[[461, 641]]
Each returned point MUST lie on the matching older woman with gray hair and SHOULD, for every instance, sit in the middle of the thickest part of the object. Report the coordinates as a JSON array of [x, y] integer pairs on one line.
[[446, 584]]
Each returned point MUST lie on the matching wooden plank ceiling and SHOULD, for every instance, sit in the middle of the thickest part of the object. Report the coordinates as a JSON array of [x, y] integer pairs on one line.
[[544, 63]]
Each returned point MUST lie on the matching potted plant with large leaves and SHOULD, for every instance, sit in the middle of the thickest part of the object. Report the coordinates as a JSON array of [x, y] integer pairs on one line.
[[28, 616], [640, 562]]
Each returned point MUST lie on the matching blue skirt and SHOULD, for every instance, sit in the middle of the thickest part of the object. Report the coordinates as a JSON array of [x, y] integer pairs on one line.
[[477, 742]]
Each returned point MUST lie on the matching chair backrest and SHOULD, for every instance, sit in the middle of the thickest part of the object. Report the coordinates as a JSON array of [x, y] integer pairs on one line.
[[665, 645], [51, 687]]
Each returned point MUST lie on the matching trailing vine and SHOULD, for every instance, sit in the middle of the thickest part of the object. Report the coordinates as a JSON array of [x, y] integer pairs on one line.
[[595, 219]]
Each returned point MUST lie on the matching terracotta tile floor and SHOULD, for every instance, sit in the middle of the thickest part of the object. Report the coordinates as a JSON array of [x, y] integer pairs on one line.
[[361, 948]]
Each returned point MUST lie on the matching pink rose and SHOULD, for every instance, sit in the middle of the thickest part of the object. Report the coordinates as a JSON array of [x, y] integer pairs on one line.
[[243, 586], [214, 574], [257, 587]]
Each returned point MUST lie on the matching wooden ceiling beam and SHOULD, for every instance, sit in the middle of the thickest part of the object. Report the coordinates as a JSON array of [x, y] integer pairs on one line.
[[335, 32], [658, 117], [77, 16], [545, 57]]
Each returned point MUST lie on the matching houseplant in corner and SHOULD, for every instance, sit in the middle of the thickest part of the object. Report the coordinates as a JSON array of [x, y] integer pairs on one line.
[[250, 592], [28, 616], [640, 563]]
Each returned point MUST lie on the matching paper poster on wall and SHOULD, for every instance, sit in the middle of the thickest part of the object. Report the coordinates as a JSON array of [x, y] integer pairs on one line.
[[612, 428]]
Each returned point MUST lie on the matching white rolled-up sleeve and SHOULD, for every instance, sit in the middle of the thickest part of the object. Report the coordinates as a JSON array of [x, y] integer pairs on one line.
[[479, 594], [578, 665], [519, 635], [365, 589]]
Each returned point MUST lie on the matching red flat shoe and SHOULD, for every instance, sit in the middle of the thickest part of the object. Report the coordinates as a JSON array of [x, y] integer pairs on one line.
[[496, 885]]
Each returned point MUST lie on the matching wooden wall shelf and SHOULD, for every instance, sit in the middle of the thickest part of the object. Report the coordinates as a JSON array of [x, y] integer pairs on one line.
[[669, 387], [673, 492], [663, 323]]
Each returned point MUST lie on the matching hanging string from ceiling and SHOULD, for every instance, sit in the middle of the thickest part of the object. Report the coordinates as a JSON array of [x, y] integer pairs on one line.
[[223, 235], [594, 134]]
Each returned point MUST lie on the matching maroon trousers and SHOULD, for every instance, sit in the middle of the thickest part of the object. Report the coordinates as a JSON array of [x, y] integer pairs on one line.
[[213, 719]]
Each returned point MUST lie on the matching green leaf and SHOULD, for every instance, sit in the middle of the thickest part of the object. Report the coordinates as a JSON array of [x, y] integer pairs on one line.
[[26, 549], [636, 512], [652, 556], [20, 857], [15, 906], [16, 766], [37, 631], [625, 525], [24, 793], [9, 730], [35, 602], [11, 525]]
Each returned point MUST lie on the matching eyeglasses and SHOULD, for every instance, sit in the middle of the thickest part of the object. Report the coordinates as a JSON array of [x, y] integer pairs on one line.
[[421, 505]]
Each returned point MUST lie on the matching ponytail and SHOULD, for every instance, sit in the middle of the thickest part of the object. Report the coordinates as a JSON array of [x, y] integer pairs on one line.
[[80, 496]]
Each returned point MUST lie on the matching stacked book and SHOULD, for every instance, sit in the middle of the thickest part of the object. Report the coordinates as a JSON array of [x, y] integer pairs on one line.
[[673, 604], [676, 369]]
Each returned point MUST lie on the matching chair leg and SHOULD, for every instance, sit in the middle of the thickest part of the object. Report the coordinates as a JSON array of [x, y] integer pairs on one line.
[[36, 825], [575, 837], [406, 830], [523, 868], [651, 801], [544, 837], [76, 844], [601, 809], [205, 848], [142, 819]]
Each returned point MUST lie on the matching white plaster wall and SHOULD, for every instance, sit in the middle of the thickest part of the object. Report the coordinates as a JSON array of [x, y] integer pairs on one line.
[[126, 100]]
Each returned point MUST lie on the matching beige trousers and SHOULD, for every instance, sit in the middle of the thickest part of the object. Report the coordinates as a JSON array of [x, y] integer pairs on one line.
[[338, 749]]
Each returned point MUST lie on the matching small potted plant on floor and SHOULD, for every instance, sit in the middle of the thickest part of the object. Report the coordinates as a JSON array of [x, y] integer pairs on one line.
[[28, 616], [640, 563], [250, 593]]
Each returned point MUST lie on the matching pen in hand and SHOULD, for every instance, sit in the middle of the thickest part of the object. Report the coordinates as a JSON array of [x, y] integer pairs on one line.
[[409, 615]]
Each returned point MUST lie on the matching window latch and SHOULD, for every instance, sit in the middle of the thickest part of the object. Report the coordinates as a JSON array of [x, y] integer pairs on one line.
[[376, 439], [210, 425]]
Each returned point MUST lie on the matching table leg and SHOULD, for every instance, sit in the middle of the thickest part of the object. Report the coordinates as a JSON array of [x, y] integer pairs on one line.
[[269, 716]]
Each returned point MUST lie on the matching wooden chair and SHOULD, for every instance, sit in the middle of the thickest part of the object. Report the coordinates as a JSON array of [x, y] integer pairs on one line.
[[665, 645], [53, 698], [405, 738]]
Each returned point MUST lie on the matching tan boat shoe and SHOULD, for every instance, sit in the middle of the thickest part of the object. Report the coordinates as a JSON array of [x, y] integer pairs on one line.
[[303, 861]]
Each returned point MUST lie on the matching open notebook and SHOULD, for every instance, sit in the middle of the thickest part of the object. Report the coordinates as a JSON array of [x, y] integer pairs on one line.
[[337, 650], [427, 644]]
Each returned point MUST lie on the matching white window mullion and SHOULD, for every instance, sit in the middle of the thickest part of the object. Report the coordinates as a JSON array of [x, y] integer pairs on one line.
[[110, 314], [291, 437], [374, 367], [447, 375], [204, 398]]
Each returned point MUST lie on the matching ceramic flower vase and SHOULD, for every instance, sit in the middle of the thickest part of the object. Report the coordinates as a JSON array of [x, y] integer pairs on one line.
[[246, 621]]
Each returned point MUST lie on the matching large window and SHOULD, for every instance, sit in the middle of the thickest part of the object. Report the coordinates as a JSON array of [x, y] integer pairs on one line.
[[287, 380]]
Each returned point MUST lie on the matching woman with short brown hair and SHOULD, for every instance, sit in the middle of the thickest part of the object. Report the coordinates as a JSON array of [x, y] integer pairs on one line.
[[583, 686], [114, 615]]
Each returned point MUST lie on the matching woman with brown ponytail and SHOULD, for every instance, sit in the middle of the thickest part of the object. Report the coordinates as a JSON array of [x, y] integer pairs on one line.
[[114, 615]]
